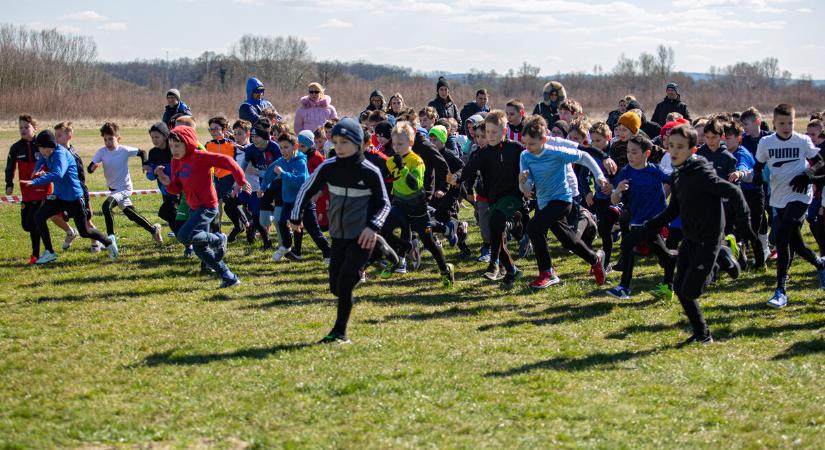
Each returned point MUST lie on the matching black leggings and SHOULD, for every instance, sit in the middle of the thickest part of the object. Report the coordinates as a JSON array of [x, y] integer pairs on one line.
[[418, 224], [554, 216], [634, 237], [346, 260], [76, 212], [498, 248], [755, 199], [694, 270], [169, 209], [27, 219], [130, 212], [607, 218], [788, 225]]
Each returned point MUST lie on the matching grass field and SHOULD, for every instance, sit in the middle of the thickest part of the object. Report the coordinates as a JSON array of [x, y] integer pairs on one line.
[[145, 352]]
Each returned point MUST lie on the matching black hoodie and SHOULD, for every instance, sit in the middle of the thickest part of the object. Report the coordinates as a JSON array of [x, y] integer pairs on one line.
[[499, 166], [696, 196], [435, 167]]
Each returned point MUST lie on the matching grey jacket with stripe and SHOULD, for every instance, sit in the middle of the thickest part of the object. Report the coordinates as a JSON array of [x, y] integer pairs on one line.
[[357, 196]]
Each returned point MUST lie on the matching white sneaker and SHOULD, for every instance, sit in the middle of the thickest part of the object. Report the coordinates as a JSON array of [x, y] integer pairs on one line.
[[157, 234], [112, 248], [779, 300], [279, 254], [170, 234], [95, 247], [70, 236], [46, 257]]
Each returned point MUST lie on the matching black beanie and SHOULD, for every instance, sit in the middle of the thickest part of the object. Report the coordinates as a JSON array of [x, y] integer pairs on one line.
[[384, 129], [161, 128], [442, 82], [46, 139], [561, 125], [634, 104]]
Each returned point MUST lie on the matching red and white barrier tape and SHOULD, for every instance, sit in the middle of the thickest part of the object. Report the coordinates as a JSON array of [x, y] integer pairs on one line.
[[19, 198]]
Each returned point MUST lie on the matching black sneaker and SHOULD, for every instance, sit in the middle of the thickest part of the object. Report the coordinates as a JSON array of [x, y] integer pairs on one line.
[[694, 339], [334, 338], [727, 262], [509, 279], [233, 235]]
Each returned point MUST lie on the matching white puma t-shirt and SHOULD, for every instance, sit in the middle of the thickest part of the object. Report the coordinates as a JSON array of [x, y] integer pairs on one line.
[[785, 160]]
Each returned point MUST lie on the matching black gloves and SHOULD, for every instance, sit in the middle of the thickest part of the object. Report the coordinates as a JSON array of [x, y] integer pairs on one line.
[[800, 182], [399, 161]]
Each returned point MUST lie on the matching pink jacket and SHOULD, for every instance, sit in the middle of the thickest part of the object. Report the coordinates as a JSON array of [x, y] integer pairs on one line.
[[311, 115]]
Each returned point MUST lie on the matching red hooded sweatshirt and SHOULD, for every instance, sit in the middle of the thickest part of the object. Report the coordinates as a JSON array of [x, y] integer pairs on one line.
[[192, 174]]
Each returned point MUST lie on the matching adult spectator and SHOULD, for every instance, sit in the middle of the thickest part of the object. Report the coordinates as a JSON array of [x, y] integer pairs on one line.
[[255, 103], [553, 95], [314, 109], [672, 103], [174, 105], [443, 102], [480, 104]]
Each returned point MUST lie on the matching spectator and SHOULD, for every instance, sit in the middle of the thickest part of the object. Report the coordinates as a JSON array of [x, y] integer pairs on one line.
[[672, 103], [314, 109]]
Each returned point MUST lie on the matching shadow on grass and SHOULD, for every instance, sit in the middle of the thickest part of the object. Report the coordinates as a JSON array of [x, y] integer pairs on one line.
[[568, 313], [453, 312], [167, 357], [606, 361], [802, 348]]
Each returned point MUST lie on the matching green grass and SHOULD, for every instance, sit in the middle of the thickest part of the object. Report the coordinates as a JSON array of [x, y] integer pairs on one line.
[[147, 352]]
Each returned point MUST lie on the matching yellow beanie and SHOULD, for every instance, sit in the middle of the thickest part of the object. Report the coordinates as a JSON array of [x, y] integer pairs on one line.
[[632, 121]]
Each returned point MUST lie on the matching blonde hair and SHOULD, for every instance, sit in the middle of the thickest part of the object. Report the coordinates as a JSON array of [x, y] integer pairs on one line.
[[186, 120], [602, 129], [496, 117], [317, 86], [65, 126], [404, 128]]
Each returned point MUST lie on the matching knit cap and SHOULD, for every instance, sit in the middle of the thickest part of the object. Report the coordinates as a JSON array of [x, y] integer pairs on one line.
[[46, 139], [439, 132], [631, 120], [350, 129], [160, 127], [306, 137]]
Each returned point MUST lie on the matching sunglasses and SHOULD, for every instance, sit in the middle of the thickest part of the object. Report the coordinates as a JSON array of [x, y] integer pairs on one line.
[[314, 92]]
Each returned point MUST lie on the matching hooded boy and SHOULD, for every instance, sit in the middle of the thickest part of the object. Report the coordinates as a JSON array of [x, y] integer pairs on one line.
[[255, 103], [192, 175]]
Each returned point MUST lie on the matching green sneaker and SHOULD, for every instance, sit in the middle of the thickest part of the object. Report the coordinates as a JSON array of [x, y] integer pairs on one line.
[[734, 247], [388, 270], [663, 292], [448, 277]]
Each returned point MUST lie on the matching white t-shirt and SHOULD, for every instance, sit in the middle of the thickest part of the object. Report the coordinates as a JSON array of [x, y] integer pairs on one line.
[[116, 166], [786, 159]]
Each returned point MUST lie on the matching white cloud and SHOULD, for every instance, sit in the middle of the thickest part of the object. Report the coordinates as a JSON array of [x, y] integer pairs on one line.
[[114, 26], [335, 23], [85, 16]]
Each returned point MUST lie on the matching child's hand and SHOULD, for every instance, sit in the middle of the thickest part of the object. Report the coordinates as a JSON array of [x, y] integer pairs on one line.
[[589, 199], [522, 177], [278, 170], [260, 194], [605, 185], [22, 183], [623, 186], [735, 176], [610, 166], [147, 169], [438, 194], [9, 190], [246, 187], [39, 174], [367, 238], [295, 227], [159, 170]]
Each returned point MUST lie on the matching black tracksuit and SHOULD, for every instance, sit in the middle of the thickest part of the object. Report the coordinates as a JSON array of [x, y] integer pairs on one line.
[[696, 195], [357, 200]]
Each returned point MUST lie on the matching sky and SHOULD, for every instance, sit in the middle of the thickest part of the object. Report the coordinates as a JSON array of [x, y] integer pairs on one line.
[[456, 36]]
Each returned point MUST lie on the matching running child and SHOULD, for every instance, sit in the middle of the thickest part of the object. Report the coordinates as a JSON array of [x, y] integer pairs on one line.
[[192, 175], [358, 207], [696, 195], [115, 160], [544, 166]]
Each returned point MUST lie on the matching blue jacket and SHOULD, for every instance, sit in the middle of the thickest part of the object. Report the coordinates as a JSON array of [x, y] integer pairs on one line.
[[182, 108], [62, 174], [261, 159], [294, 175], [251, 109]]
